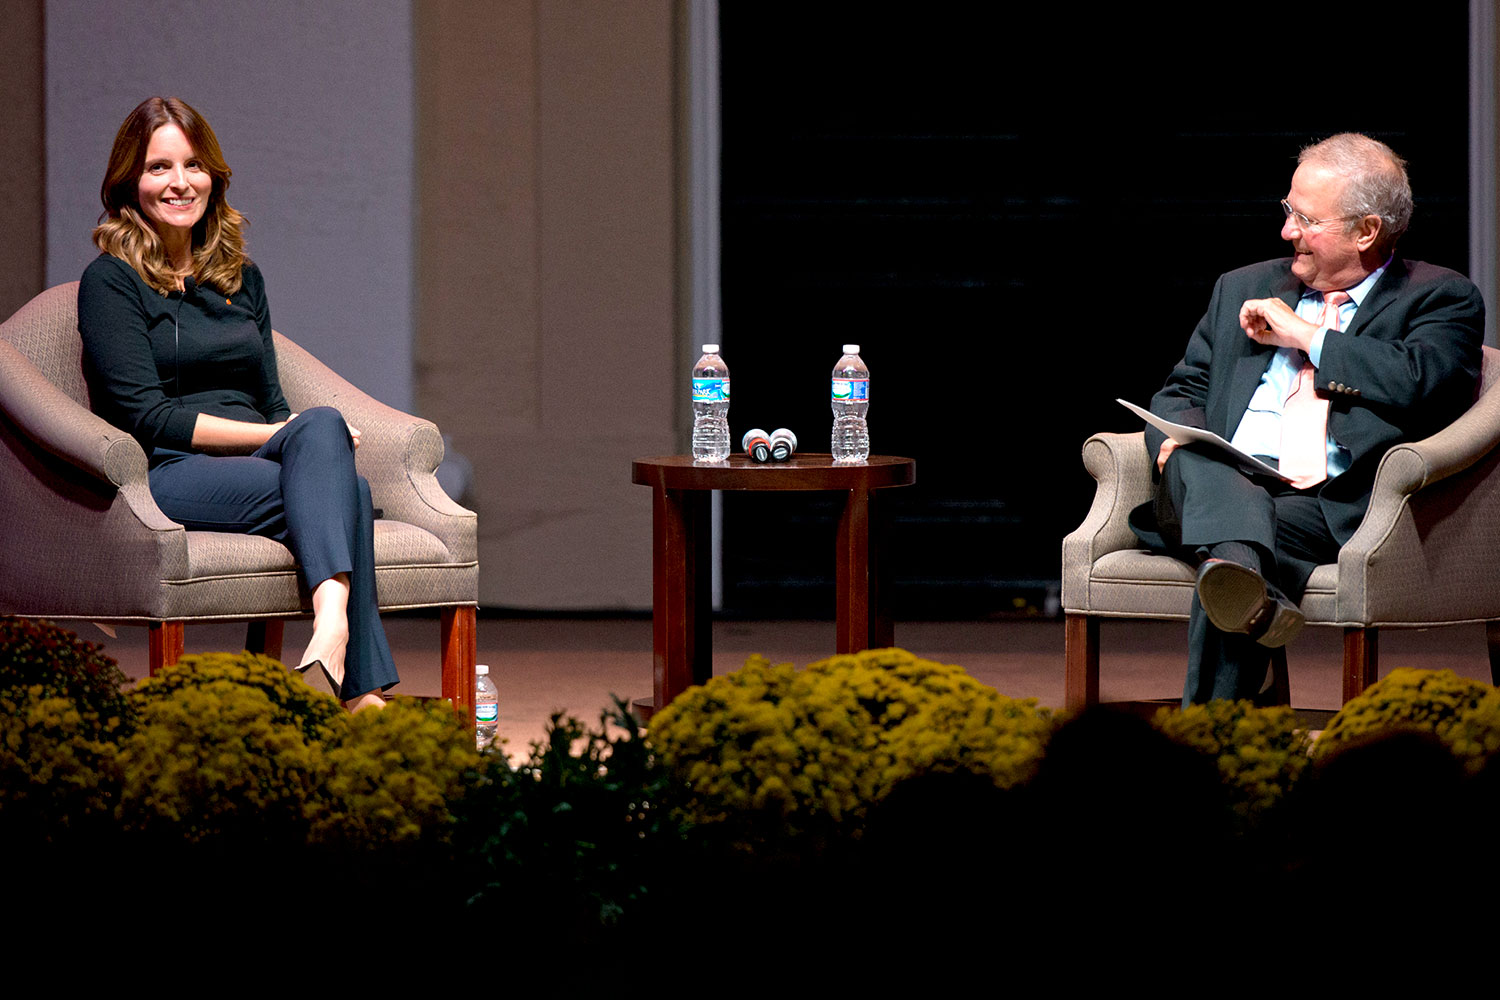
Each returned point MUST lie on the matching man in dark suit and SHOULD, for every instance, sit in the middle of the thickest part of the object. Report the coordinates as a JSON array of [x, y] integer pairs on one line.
[[1317, 363]]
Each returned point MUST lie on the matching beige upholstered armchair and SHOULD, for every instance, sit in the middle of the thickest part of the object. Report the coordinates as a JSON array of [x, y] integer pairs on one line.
[[81, 536], [1427, 553]]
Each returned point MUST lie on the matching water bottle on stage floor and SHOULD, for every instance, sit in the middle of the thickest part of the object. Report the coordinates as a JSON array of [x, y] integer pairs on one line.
[[486, 707]]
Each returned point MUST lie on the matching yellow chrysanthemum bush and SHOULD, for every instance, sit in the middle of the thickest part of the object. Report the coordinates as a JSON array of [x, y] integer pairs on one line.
[[60, 710], [822, 744], [1463, 714], [58, 770], [35, 653], [233, 744], [1260, 752], [227, 744], [396, 776]]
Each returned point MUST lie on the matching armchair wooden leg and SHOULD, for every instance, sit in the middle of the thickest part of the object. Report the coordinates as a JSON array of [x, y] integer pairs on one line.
[[1081, 661], [1492, 635], [265, 635], [1361, 660], [460, 649], [164, 645]]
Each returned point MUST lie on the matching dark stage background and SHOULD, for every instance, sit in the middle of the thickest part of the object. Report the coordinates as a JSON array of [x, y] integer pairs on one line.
[[1018, 223]]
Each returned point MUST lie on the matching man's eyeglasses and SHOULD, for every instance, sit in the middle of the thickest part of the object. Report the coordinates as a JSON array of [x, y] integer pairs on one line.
[[1303, 222]]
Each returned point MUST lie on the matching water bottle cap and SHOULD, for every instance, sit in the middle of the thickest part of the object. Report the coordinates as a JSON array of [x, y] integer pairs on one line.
[[710, 348], [851, 348], [481, 669]]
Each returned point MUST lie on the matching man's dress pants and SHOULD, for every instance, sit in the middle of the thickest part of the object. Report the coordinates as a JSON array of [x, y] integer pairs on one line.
[[1202, 502], [299, 488]]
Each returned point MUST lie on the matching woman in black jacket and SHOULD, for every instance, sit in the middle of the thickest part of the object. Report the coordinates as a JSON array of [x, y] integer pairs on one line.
[[178, 349]]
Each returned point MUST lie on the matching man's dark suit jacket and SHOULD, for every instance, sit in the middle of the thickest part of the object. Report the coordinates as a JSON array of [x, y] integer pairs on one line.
[[1407, 366]]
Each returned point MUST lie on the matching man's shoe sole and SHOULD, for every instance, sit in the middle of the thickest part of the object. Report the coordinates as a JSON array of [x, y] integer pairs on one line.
[[1235, 599]]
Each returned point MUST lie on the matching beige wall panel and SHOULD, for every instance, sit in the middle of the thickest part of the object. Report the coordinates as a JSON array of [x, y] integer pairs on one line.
[[547, 220], [23, 252], [577, 537], [605, 177], [477, 326]]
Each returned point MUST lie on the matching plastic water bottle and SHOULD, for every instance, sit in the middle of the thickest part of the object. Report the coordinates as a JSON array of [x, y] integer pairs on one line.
[[710, 407], [486, 707], [851, 401]]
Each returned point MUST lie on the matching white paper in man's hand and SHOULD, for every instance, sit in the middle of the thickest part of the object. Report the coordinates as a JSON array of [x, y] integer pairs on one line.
[[1185, 435]]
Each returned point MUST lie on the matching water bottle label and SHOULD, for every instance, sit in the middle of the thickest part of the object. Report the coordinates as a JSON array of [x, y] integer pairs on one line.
[[710, 390], [486, 712], [853, 390]]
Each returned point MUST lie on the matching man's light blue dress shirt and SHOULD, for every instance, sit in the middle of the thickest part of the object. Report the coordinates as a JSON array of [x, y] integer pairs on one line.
[[1259, 432]]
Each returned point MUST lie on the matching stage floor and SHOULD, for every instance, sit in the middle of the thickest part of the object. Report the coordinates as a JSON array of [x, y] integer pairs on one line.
[[543, 665]]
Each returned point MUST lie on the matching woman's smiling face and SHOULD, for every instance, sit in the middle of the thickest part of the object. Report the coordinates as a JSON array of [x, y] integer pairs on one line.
[[175, 186]]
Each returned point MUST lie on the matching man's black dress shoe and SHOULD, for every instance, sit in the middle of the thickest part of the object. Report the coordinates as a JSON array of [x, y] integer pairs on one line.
[[1236, 599]]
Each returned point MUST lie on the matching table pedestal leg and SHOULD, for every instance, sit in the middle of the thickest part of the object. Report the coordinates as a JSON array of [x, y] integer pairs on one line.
[[861, 619], [682, 619]]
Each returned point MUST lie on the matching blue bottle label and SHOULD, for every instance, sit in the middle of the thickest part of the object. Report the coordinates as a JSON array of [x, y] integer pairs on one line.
[[486, 712], [852, 390], [710, 390]]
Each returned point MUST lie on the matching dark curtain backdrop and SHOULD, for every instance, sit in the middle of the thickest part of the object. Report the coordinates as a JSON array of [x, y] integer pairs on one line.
[[1019, 218]]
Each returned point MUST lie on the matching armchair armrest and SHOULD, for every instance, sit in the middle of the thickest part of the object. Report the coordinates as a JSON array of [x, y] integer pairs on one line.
[[1122, 469], [1412, 466], [398, 453], [55, 422], [82, 534], [1432, 526]]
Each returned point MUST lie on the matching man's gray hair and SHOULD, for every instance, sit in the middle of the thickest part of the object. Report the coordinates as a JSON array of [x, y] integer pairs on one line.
[[1375, 181]]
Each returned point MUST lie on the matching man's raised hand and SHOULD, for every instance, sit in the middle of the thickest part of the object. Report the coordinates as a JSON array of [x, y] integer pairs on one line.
[[1272, 321]]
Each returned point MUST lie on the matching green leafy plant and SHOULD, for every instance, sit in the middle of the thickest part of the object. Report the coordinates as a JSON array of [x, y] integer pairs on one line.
[[576, 835]]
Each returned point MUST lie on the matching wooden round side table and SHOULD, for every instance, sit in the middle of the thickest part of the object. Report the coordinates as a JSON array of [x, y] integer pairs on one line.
[[682, 636]]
